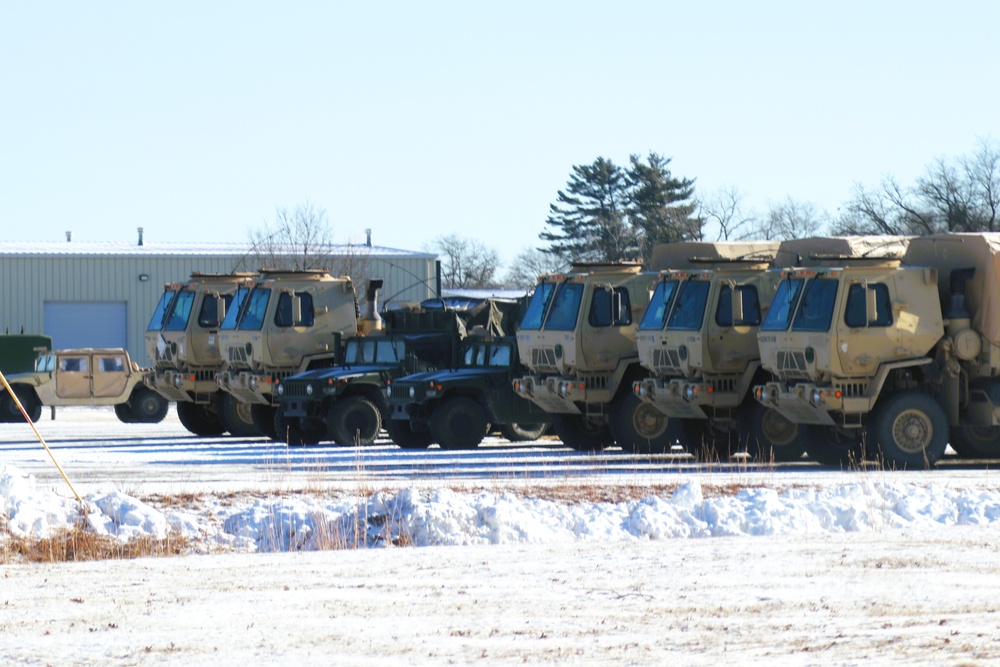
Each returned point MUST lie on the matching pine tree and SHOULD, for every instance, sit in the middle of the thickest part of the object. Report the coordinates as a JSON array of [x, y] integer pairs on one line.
[[660, 209]]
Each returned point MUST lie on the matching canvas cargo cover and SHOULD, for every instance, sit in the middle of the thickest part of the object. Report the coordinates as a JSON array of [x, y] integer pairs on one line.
[[680, 255], [802, 252], [946, 252]]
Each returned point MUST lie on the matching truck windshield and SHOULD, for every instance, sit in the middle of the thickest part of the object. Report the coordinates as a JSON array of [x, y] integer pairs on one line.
[[816, 310], [539, 303], [252, 317], [690, 306], [565, 306], [159, 315], [233, 310], [659, 305], [180, 312], [783, 305]]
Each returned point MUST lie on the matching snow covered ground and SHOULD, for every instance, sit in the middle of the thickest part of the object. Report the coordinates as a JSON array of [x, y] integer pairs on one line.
[[637, 566]]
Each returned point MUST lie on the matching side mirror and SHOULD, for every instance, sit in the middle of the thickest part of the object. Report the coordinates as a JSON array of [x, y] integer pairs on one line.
[[871, 305], [737, 295], [296, 309], [220, 309]]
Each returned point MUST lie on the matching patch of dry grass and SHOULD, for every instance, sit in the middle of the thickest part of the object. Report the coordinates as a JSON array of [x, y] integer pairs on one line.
[[76, 544]]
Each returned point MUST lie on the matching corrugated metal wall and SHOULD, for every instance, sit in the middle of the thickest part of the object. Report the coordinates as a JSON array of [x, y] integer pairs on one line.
[[27, 282]]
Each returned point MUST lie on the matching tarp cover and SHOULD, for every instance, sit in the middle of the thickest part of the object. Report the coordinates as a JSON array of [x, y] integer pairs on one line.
[[680, 255], [946, 252], [801, 252]]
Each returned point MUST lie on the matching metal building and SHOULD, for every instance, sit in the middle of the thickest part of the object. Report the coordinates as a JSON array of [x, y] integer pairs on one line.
[[102, 294]]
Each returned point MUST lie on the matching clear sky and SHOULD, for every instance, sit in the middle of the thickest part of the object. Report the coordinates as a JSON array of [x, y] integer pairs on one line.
[[195, 120]]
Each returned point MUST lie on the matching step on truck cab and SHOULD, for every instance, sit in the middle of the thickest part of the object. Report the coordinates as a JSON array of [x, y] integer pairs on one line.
[[347, 403], [280, 325], [86, 376], [458, 406], [698, 340], [182, 339]]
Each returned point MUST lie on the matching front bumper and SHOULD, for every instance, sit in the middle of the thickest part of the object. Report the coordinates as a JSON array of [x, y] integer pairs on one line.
[[553, 394], [808, 403], [247, 387], [684, 399]]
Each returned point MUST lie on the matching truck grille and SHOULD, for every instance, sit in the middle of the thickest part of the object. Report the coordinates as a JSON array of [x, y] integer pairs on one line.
[[666, 360], [792, 365], [400, 393], [294, 390], [543, 360]]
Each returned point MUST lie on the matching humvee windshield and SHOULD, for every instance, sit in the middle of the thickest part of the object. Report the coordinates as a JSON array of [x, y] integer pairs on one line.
[[160, 314], [375, 351], [539, 303], [233, 310], [779, 316], [659, 305], [689, 310], [45, 363], [487, 355], [180, 312]]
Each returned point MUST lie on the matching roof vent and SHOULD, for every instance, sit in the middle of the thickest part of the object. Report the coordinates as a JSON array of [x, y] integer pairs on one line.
[[69, 236], [368, 234], [140, 235]]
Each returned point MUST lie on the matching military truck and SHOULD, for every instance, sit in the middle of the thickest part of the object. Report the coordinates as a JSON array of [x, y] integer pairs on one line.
[[458, 406], [284, 323], [348, 404], [85, 376], [182, 339], [698, 340], [890, 359]]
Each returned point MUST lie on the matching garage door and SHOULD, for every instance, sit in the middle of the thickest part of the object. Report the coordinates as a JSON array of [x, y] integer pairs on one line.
[[86, 324]]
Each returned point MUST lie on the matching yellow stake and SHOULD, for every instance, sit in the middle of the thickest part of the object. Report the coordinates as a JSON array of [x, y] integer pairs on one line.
[[41, 440]]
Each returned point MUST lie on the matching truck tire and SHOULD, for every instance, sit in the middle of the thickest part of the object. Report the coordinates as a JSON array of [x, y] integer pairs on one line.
[[147, 406], [834, 447], [459, 423], [910, 430], [771, 437], [199, 419], [403, 435], [579, 434], [237, 417], [976, 442], [29, 401], [354, 421], [523, 432], [639, 427], [124, 413], [263, 419]]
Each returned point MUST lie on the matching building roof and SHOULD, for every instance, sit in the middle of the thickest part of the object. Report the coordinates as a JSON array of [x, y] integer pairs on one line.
[[167, 249]]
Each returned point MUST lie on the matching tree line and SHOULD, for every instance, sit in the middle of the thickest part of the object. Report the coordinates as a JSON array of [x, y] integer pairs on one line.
[[609, 213]]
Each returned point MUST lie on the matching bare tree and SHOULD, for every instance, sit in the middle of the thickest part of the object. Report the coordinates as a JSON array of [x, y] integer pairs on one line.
[[528, 265], [792, 219], [466, 263], [296, 239], [724, 210], [961, 195]]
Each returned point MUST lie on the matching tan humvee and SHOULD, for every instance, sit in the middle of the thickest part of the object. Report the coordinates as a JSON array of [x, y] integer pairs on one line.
[[86, 376]]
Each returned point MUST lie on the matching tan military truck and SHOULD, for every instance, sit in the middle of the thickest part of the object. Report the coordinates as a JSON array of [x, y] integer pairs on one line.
[[84, 377], [698, 340], [286, 323], [891, 359], [182, 339]]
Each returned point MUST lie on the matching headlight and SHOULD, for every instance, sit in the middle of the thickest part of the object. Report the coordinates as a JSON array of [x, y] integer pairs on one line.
[[281, 390], [253, 383], [816, 397], [689, 392], [309, 389], [562, 389], [177, 381]]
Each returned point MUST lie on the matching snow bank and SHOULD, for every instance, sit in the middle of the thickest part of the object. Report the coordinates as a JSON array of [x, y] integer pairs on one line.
[[446, 517]]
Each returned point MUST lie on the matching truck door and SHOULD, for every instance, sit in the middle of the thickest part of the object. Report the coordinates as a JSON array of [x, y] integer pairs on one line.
[[110, 374], [73, 376]]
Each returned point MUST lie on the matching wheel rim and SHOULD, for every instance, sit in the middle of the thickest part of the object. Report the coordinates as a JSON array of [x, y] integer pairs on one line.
[[778, 430], [912, 431], [649, 422], [244, 411]]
